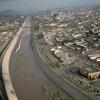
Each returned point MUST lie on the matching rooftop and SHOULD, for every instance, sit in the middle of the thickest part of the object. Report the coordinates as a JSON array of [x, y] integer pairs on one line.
[[89, 69]]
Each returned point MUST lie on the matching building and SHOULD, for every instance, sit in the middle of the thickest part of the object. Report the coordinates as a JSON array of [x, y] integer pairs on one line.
[[89, 72], [94, 55], [97, 29]]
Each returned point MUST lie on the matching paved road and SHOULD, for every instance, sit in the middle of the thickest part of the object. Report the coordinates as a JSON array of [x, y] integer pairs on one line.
[[29, 74]]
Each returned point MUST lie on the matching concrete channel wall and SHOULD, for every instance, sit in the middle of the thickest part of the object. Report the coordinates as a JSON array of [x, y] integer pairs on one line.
[[3, 95]]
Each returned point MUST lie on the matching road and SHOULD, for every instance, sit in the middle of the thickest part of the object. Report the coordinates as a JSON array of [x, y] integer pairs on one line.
[[31, 78]]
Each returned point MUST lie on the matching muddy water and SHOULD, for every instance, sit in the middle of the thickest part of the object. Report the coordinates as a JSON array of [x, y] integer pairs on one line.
[[28, 80]]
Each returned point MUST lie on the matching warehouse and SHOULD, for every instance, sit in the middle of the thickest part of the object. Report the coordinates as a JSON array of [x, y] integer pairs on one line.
[[89, 72]]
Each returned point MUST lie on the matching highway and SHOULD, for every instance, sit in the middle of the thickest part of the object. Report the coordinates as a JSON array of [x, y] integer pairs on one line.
[[29, 74]]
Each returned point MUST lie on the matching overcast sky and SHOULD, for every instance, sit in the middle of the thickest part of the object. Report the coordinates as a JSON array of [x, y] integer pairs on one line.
[[34, 5]]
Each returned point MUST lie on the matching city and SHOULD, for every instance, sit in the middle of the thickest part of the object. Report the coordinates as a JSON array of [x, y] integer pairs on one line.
[[51, 54]]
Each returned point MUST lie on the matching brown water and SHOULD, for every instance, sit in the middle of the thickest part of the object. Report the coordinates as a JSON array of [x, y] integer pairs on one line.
[[29, 82]]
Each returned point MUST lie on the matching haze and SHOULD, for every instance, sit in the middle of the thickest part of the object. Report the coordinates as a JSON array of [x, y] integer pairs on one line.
[[36, 5]]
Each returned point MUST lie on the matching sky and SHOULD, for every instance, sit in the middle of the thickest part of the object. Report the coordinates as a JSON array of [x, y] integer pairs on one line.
[[36, 5]]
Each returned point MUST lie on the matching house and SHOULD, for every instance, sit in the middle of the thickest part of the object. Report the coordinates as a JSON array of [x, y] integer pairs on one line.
[[94, 55]]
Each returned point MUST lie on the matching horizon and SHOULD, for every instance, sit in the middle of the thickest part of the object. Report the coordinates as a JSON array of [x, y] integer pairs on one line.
[[29, 6]]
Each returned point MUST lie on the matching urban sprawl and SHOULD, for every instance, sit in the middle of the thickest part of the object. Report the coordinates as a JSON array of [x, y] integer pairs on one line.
[[70, 40]]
